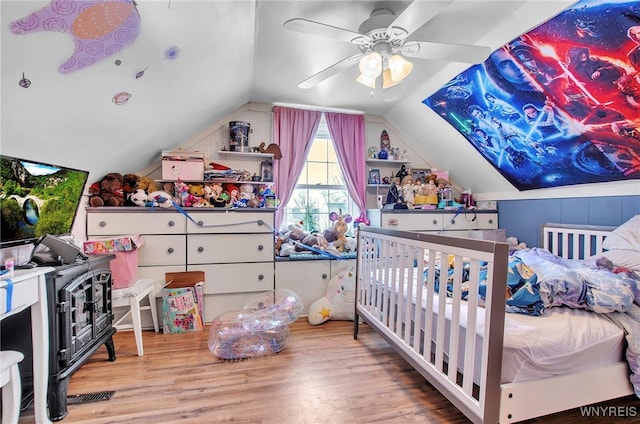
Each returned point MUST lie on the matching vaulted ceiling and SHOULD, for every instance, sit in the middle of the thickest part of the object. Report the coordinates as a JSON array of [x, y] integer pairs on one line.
[[226, 54]]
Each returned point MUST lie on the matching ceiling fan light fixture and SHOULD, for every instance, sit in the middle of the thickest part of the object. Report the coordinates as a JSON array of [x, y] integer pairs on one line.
[[371, 65], [387, 81], [369, 82], [400, 67]]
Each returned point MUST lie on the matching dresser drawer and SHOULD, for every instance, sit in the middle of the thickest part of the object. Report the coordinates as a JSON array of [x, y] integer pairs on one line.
[[103, 224], [230, 222], [162, 250], [471, 221], [229, 248], [236, 278], [412, 221]]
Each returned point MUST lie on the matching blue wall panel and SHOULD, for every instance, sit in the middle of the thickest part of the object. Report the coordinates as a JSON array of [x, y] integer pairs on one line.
[[524, 218]]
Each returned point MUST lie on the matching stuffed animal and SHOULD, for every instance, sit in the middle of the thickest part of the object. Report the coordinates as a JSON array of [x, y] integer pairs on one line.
[[248, 196], [108, 191], [196, 190], [233, 192], [340, 226], [147, 184], [159, 198], [214, 194], [339, 301], [137, 198], [129, 183]]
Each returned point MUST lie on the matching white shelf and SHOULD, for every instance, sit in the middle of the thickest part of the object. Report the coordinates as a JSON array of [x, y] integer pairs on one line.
[[389, 161], [245, 154], [379, 185], [221, 181]]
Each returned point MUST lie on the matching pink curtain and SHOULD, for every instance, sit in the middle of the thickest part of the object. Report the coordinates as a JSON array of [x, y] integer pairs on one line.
[[348, 135], [293, 132]]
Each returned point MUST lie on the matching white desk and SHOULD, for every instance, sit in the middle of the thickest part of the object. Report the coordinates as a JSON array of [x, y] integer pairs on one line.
[[29, 290]]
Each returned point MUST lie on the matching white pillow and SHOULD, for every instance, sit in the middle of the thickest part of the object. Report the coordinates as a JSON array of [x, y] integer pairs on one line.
[[629, 259], [625, 237]]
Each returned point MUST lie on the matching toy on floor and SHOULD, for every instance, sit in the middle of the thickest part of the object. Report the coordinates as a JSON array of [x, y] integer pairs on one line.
[[339, 301], [260, 329]]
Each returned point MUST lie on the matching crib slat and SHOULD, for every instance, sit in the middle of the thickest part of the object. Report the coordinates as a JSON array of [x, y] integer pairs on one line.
[[456, 299]]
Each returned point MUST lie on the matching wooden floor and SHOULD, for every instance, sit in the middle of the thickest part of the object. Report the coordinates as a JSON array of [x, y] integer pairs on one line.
[[323, 376]]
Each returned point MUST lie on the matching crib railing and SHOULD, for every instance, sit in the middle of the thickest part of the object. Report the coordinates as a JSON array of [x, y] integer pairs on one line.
[[410, 289], [575, 241]]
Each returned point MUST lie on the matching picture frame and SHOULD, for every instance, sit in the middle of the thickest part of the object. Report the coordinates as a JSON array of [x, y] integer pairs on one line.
[[374, 176], [420, 173], [266, 171]]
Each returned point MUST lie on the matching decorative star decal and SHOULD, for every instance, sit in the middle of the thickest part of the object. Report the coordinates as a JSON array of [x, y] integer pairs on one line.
[[326, 313], [98, 28]]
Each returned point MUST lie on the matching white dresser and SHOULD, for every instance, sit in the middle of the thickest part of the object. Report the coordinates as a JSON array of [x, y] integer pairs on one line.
[[443, 222], [234, 248]]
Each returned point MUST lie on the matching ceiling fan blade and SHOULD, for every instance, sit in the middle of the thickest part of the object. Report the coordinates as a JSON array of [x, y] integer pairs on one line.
[[416, 15], [463, 53], [330, 71], [307, 26]]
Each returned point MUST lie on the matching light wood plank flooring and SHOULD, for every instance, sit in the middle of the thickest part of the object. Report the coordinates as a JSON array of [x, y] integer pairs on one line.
[[324, 376]]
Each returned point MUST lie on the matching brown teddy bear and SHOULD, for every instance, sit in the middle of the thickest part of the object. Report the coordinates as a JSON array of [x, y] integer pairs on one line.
[[129, 183], [147, 184], [129, 186], [108, 191]]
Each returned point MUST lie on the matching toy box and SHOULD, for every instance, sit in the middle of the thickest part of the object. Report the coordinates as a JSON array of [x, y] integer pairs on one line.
[[186, 166], [183, 302]]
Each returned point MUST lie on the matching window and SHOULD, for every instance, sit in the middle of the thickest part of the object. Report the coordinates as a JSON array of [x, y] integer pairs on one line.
[[320, 189]]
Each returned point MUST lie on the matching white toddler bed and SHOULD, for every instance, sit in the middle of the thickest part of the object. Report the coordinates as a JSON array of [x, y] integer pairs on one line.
[[512, 367]]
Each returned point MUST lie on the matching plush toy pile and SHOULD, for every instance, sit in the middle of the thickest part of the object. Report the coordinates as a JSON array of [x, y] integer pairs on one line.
[[115, 189], [332, 241]]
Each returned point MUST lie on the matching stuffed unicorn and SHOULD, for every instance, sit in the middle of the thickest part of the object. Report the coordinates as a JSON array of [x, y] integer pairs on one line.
[[339, 301]]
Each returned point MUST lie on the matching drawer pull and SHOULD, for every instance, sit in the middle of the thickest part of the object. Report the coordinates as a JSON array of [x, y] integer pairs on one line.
[[200, 223], [200, 249], [260, 248], [435, 222], [324, 276], [260, 277], [490, 221], [170, 250], [260, 222], [103, 224], [453, 221], [171, 223]]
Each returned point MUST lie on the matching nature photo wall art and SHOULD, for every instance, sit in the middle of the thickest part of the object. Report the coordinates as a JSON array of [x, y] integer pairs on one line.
[[559, 105]]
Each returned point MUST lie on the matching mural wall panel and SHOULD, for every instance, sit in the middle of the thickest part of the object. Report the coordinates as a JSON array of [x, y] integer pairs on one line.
[[559, 105]]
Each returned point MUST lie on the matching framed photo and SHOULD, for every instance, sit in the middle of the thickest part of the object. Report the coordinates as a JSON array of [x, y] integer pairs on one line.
[[374, 176], [420, 174], [266, 171]]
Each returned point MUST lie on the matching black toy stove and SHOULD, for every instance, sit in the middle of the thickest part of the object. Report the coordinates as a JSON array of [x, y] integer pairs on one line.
[[80, 321]]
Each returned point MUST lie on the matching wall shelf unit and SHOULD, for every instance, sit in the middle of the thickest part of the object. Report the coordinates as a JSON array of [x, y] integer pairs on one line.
[[240, 155], [387, 162], [221, 181]]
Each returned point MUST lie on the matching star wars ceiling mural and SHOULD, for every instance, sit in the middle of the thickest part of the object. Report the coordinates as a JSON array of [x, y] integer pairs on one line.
[[559, 105]]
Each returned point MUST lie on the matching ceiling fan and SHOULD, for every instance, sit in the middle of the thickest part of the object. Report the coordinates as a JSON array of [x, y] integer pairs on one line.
[[382, 41]]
